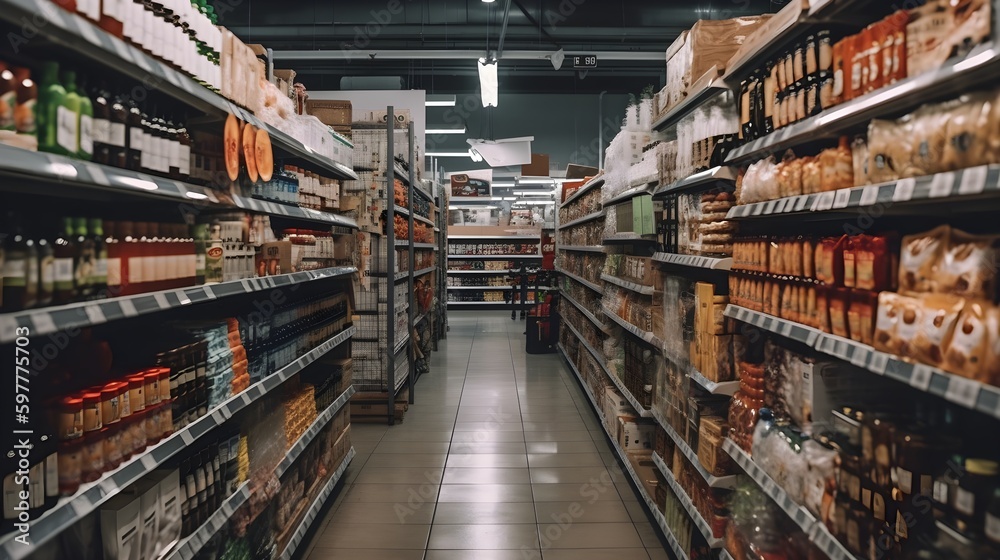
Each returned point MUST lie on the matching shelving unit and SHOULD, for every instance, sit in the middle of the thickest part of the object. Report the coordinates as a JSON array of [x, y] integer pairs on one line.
[[699, 522], [461, 236]]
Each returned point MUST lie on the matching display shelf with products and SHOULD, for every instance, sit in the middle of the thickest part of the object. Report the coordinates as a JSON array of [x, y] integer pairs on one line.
[[594, 183], [479, 288], [492, 257], [90, 496], [457, 272], [586, 313], [971, 185], [631, 286], [424, 246], [641, 410], [402, 211], [628, 237], [583, 248], [98, 46], [694, 261], [49, 320], [728, 481], [582, 281], [588, 218], [959, 390], [493, 237], [703, 179], [629, 194], [705, 88], [699, 521], [424, 271], [817, 531], [646, 336], [629, 468], [316, 507], [713, 387]]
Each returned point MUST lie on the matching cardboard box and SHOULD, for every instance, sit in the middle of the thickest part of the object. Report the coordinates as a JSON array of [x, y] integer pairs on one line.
[[648, 223], [716, 357], [539, 166], [148, 491], [636, 437], [120, 527], [274, 258], [331, 112], [615, 404]]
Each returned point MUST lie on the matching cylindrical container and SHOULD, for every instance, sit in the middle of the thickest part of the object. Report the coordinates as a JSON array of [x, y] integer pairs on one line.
[[70, 466], [70, 418], [151, 387], [136, 392], [164, 373], [92, 457], [92, 411], [111, 434], [111, 411]]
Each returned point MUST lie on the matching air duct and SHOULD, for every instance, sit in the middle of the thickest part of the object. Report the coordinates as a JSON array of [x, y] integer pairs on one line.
[[371, 83]]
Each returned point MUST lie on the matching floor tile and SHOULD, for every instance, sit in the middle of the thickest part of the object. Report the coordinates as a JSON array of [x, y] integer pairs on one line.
[[525, 554], [407, 460], [483, 537], [402, 475], [585, 493], [556, 475], [485, 493], [490, 513], [491, 447], [536, 460], [411, 447], [486, 475], [389, 513], [391, 537], [510, 460], [589, 535], [367, 554], [561, 447], [581, 512], [579, 435], [390, 492], [484, 436], [596, 554]]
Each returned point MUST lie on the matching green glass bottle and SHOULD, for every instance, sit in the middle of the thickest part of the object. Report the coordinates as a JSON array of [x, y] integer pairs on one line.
[[99, 280], [65, 250], [85, 134], [51, 97], [86, 260], [68, 135]]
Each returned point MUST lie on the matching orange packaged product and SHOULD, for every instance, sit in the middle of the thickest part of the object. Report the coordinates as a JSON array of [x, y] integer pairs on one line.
[[857, 311], [839, 301], [967, 351], [874, 35], [830, 260], [939, 316], [911, 320], [822, 308], [873, 258], [858, 74], [851, 245], [899, 21]]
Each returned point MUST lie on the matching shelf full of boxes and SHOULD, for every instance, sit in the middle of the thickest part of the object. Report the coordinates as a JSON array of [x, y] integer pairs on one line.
[[182, 250], [397, 253], [824, 244], [481, 265]]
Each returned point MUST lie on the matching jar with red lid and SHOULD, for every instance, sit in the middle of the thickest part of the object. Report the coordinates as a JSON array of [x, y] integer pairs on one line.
[[111, 412], [137, 431], [164, 373], [70, 418], [124, 400], [136, 392], [70, 466], [151, 387], [166, 419], [92, 412], [111, 435], [151, 424], [92, 457]]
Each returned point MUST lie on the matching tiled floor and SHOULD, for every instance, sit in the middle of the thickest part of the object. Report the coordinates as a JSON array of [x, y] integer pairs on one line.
[[501, 458]]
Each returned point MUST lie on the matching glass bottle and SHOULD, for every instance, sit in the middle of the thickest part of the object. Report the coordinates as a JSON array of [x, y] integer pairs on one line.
[[118, 133], [69, 116], [46, 272], [100, 128], [85, 264], [134, 137], [99, 280], [20, 270], [51, 99], [184, 151], [86, 125], [113, 248], [65, 250]]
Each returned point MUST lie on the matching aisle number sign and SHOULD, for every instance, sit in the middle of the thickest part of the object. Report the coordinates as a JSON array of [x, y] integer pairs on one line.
[[585, 61]]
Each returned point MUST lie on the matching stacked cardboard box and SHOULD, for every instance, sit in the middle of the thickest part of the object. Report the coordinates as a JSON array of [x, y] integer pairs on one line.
[[712, 347]]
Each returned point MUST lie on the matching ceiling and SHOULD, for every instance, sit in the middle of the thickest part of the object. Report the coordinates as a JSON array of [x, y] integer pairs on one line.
[[350, 31]]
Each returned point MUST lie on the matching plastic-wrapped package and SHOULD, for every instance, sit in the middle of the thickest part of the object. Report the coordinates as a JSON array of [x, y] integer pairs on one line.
[[837, 167], [969, 265], [859, 153], [920, 256], [939, 316], [888, 148], [966, 353], [789, 175], [812, 175], [929, 133]]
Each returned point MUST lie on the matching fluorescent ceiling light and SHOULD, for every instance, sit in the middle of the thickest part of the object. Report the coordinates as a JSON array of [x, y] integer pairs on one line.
[[476, 156], [489, 1], [544, 182], [533, 193], [488, 82], [445, 130], [447, 154], [439, 101], [503, 185], [536, 202]]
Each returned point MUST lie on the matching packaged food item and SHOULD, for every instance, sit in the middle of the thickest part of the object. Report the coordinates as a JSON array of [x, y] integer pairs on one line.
[[829, 261], [859, 154], [969, 266], [966, 138], [789, 175], [837, 167], [887, 323], [939, 315], [812, 175], [966, 352], [874, 263], [929, 132], [908, 328], [888, 149], [839, 302], [920, 256], [851, 246], [990, 369]]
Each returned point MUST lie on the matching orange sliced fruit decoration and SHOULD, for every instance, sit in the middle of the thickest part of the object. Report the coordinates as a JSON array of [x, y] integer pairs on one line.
[[264, 155], [231, 147], [249, 139]]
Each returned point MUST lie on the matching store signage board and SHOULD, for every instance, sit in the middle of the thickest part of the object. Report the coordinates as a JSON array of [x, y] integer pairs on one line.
[[472, 184], [585, 61]]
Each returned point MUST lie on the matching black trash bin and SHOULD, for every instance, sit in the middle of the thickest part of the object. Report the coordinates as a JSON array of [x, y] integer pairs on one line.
[[542, 330]]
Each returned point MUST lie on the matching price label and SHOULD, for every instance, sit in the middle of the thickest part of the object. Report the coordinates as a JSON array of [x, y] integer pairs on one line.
[[95, 314], [186, 437], [779, 207], [826, 201], [904, 190], [840, 349], [769, 207], [801, 202], [43, 323], [921, 376], [756, 209], [842, 198], [869, 195], [161, 300], [128, 308], [941, 184], [860, 356], [963, 391], [878, 362], [973, 180]]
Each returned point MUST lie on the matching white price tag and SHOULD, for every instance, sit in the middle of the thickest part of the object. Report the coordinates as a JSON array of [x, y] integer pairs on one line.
[[779, 208], [920, 377], [841, 198], [963, 391], [941, 184], [186, 437], [769, 207], [860, 356], [973, 180], [95, 315], [756, 209], [97, 175], [904, 190], [869, 196], [208, 292], [800, 202], [825, 201], [840, 349], [128, 308], [878, 362], [43, 323], [161, 300], [148, 462]]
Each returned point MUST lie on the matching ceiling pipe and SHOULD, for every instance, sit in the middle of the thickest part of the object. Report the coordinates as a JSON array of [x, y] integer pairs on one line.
[[467, 54], [503, 30]]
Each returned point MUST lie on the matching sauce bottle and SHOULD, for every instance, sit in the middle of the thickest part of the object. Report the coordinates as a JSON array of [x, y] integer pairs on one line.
[[65, 250], [184, 151], [68, 135], [20, 270], [113, 246], [134, 137], [51, 99], [85, 263]]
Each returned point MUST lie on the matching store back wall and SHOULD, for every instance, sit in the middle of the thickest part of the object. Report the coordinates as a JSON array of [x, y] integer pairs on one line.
[[565, 126]]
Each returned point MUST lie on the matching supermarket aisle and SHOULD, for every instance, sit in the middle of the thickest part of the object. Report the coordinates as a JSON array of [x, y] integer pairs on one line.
[[502, 458]]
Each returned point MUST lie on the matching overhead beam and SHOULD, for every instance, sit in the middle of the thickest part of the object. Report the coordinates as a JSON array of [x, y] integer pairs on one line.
[[468, 54]]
